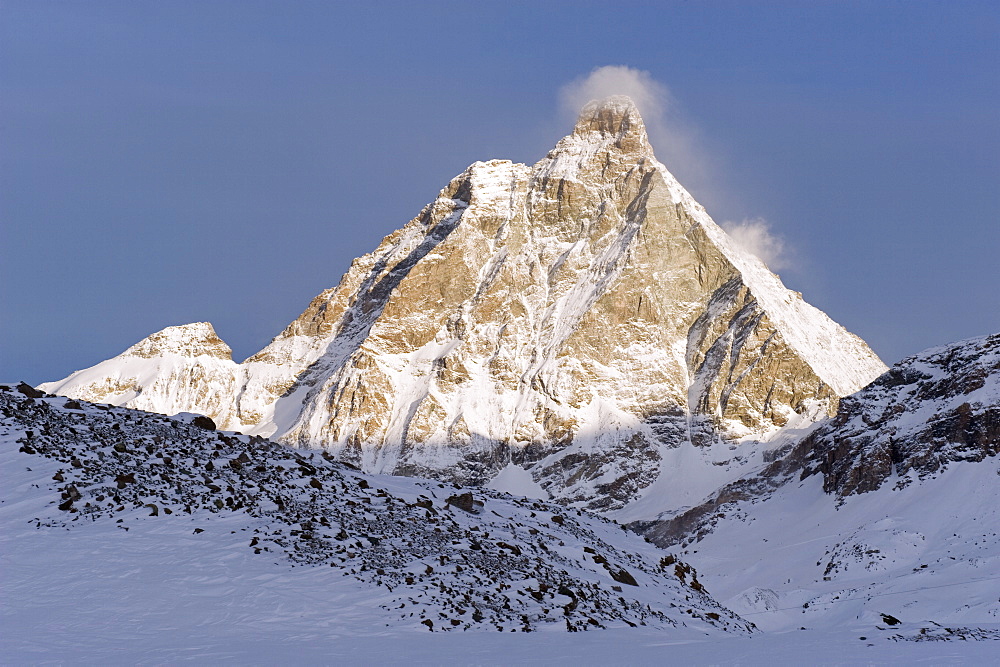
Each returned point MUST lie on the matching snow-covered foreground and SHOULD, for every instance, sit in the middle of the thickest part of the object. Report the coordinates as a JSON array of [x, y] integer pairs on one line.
[[113, 587], [155, 594], [926, 552], [97, 594]]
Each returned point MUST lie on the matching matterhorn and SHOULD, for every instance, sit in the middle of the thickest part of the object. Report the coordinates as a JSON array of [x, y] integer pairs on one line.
[[579, 330]]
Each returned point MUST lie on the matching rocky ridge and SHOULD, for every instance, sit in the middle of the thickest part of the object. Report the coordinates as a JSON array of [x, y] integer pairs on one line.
[[432, 555], [583, 319], [887, 510], [925, 413]]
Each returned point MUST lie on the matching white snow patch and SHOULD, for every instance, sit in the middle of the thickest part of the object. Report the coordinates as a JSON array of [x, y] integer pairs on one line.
[[517, 481]]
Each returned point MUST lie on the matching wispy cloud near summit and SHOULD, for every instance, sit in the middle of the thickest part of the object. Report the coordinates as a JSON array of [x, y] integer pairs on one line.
[[754, 235], [676, 142], [651, 96], [678, 145]]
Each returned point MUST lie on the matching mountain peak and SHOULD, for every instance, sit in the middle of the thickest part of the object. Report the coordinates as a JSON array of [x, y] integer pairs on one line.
[[188, 340], [616, 115]]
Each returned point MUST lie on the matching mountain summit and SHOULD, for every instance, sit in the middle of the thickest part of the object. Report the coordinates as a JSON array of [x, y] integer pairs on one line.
[[579, 328]]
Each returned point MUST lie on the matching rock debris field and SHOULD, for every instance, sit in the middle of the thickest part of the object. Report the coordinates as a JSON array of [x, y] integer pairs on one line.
[[434, 555]]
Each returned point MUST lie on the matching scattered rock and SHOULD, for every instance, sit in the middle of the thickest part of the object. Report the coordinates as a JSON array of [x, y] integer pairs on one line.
[[201, 421], [466, 502]]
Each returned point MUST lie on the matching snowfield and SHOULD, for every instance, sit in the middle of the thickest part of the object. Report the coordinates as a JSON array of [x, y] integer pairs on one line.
[[121, 580]]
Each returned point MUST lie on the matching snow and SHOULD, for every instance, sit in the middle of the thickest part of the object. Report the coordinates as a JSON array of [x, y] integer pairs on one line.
[[126, 584], [159, 594], [929, 552], [517, 481], [185, 587]]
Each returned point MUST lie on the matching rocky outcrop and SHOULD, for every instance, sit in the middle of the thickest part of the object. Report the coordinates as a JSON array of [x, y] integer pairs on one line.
[[929, 410], [580, 318], [940, 406]]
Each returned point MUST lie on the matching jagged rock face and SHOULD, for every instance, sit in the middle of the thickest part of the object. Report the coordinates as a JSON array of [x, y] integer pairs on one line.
[[939, 406], [931, 409], [577, 318]]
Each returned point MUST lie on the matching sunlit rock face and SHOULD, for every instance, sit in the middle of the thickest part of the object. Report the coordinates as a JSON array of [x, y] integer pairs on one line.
[[582, 318]]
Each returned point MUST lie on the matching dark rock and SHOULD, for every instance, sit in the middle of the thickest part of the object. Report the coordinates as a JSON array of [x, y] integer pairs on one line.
[[122, 480], [201, 421], [29, 391], [622, 576], [466, 502]]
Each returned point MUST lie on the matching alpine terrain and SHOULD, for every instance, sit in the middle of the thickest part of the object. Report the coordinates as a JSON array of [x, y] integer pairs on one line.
[[414, 554], [579, 330], [888, 507], [560, 399]]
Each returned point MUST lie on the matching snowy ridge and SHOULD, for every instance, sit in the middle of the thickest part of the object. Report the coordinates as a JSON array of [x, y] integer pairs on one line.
[[582, 320], [420, 555], [178, 369], [886, 508], [840, 358]]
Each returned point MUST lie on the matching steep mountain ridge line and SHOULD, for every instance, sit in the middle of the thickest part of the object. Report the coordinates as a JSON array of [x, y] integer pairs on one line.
[[581, 318], [930, 410]]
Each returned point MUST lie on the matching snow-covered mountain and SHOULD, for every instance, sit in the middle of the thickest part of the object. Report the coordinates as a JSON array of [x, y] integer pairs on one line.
[[580, 325], [128, 536], [888, 507]]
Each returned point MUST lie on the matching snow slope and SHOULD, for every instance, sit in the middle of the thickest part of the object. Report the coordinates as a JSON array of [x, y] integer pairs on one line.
[[888, 507], [170, 497], [112, 586], [927, 553]]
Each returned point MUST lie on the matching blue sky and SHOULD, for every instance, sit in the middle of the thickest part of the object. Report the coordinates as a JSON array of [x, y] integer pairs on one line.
[[170, 162]]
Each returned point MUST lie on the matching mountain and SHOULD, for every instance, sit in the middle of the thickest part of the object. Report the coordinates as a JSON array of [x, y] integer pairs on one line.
[[123, 486], [580, 325], [888, 507]]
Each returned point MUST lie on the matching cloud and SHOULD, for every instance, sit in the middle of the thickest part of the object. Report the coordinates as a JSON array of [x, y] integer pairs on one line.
[[675, 141], [679, 145], [651, 96], [754, 235]]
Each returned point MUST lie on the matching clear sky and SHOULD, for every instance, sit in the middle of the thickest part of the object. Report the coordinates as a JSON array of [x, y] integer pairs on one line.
[[170, 162]]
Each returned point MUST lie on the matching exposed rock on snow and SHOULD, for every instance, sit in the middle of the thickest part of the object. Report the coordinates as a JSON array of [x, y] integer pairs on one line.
[[939, 406], [927, 411], [583, 319], [409, 557], [887, 508]]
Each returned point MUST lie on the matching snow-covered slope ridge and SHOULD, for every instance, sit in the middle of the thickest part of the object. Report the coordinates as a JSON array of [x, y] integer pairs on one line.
[[889, 507], [926, 412], [409, 553], [179, 369], [582, 319]]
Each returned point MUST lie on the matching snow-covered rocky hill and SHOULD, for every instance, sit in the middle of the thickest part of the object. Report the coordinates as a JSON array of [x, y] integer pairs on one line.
[[582, 322], [890, 507], [128, 537], [397, 552]]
